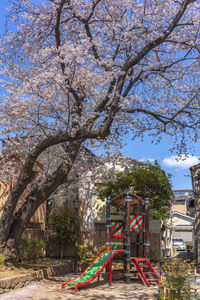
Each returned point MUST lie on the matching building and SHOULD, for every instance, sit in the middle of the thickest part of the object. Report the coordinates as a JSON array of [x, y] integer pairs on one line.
[[183, 202], [38, 220], [183, 227], [195, 176]]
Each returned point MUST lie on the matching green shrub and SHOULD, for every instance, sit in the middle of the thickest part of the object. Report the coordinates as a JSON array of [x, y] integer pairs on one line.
[[29, 249], [102, 248], [177, 275], [2, 260], [83, 252], [62, 220]]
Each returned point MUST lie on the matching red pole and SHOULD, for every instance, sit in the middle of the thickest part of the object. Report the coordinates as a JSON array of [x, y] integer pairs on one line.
[[110, 267]]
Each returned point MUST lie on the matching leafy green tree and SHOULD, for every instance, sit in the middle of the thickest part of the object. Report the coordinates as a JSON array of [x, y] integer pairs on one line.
[[62, 220], [147, 182]]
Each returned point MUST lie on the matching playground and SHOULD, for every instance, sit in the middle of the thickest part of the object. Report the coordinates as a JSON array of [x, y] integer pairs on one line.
[[135, 217], [122, 269]]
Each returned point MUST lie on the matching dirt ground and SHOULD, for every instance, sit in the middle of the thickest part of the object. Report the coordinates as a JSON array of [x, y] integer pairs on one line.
[[21, 269], [50, 289]]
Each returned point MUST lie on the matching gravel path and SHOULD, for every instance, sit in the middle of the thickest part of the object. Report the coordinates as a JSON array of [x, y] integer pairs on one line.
[[50, 289]]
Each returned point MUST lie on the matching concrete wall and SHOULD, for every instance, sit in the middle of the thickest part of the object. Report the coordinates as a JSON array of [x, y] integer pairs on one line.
[[94, 240], [183, 228], [187, 236]]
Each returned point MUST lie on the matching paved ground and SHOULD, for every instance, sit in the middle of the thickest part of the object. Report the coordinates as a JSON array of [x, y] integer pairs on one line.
[[50, 289]]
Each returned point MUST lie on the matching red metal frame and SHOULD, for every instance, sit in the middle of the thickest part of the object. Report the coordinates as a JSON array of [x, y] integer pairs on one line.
[[142, 273], [100, 270], [63, 284], [110, 273]]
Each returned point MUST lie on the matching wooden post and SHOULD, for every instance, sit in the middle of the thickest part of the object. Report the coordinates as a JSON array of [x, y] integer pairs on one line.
[[160, 286], [108, 244], [146, 236], [138, 244], [144, 226], [195, 281], [127, 238], [124, 239], [139, 206]]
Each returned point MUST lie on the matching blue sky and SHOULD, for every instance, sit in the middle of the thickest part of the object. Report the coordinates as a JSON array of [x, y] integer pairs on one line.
[[3, 5], [146, 150], [179, 170]]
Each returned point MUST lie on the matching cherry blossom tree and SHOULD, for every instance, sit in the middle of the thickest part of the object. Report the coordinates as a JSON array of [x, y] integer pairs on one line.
[[89, 72]]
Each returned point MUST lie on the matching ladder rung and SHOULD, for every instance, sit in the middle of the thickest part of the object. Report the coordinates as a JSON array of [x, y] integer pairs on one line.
[[153, 279], [141, 264]]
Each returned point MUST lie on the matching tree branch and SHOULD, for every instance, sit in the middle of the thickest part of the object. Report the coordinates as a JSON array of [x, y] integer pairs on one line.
[[153, 44]]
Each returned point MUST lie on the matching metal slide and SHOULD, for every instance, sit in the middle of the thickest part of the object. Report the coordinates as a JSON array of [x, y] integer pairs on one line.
[[102, 260]]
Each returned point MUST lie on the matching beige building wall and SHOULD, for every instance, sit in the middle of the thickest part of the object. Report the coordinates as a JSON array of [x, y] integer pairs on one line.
[[180, 222], [181, 208], [4, 192], [38, 219]]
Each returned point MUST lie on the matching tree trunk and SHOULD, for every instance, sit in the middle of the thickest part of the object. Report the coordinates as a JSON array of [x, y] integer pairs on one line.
[[19, 221], [61, 251]]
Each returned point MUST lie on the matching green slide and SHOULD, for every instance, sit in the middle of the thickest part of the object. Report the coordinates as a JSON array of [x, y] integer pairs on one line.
[[94, 269]]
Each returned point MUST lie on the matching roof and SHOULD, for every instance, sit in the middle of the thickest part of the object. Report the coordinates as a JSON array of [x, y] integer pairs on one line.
[[183, 216], [122, 163], [119, 199], [180, 195], [197, 166]]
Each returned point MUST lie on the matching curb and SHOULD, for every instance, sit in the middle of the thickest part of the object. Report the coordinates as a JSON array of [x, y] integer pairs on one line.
[[8, 284]]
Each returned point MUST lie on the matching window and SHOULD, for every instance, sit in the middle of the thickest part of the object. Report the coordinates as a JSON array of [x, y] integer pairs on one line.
[[182, 202]]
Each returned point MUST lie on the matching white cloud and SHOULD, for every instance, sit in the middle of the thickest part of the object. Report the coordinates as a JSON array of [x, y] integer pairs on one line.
[[181, 161], [144, 159], [151, 160]]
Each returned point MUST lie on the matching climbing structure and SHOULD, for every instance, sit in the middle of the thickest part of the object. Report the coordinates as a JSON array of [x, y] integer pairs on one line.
[[135, 218]]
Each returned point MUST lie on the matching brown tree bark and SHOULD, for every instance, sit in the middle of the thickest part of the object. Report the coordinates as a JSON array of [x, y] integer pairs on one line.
[[18, 222]]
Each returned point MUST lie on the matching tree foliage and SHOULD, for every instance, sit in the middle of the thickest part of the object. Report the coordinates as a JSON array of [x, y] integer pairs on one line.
[[62, 220], [147, 182], [88, 72]]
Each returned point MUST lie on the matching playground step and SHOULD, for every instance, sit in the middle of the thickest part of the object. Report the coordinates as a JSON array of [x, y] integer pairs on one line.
[[152, 279], [139, 259], [142, 273]]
